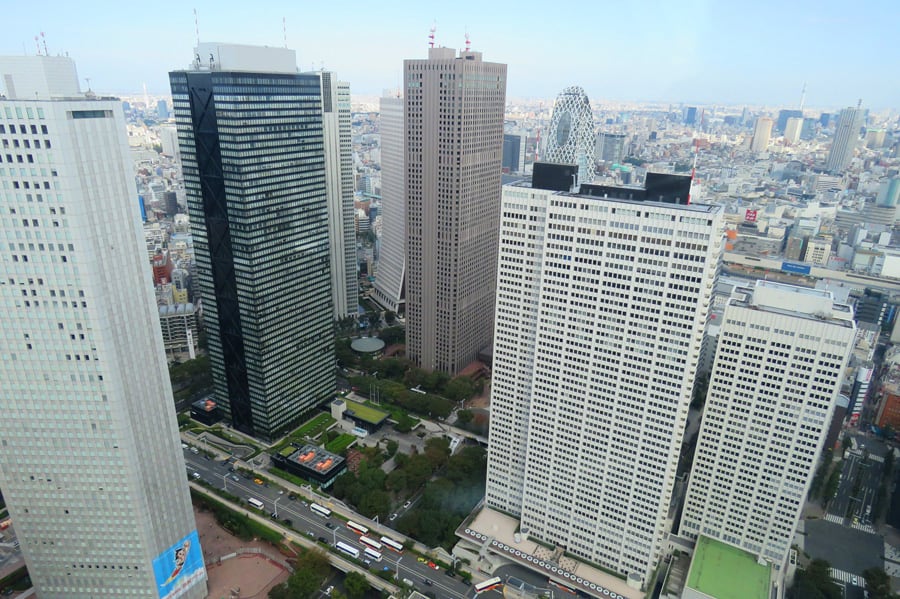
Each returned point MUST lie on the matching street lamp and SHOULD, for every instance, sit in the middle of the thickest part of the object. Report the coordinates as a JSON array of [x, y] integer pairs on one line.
[[224, 482], [334, 535], [276, 506]]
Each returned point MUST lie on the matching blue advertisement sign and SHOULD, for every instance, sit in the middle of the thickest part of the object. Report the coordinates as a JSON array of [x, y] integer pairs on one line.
[[793, 267], [179, 567]]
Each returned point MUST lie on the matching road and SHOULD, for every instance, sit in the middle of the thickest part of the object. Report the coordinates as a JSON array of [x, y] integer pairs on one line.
[[863, 476], [304, 521]]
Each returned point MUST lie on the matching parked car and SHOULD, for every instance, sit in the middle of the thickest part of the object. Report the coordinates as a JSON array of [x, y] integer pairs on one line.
[[393, 517], [407, 504], [258, 481], [427, 582]]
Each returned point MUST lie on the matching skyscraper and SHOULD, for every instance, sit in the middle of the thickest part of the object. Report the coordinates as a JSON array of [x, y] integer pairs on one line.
[[339, 185], [792, 129], [610, 147], [761, 134], [512, 148], [390, 278], [779, 364], [570, 138], [846, 137], [91, 466], [250, 129], [601, 306], [453, 110]]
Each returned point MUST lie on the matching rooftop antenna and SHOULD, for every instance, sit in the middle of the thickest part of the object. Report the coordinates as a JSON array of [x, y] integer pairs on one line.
[[802, 96], [37, 45], [431, 35], [468, 42], [284, 29], [197, 26], [44, 40], [88, 79], [146, 97]]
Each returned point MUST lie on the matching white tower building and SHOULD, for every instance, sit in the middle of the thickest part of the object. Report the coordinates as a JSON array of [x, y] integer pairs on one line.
[[601, 306], [390, 278], [91, 463], [570, 139], [761, 134], [779, 363], [846, 138], [339, 187]]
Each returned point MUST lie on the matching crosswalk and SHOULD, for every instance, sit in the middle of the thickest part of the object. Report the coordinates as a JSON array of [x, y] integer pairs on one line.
[[834, 518], [865, 528], [845, 577]]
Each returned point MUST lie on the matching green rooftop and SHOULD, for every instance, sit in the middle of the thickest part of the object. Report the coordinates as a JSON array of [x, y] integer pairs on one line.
[[725, 572], [366, 413]]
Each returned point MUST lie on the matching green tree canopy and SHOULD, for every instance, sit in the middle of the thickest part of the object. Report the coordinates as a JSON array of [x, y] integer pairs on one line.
[[356, 585]]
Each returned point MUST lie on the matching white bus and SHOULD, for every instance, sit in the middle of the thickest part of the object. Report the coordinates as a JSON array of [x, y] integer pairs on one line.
[[489, 584], [357, 528], [345, 548], [318, 509], [256, 503], [371, 543], [372, 554], [392, 544]]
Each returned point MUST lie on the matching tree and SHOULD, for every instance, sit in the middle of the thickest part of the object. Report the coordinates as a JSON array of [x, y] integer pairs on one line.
[[310, 571], [878, 584], [392, 447], [404, 424], [459, 389], [356, 585], [464, 417], [390, 318], [392, 335], [435, 381]]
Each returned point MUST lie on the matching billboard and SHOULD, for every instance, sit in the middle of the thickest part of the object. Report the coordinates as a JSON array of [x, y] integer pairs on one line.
[[179, 567], [750, 216], [795, 268]]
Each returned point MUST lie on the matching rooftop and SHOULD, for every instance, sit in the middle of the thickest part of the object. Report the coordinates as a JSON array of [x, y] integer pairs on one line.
[[716, 566], [367, 345], [699, 208], [317, 459], [366, 413]]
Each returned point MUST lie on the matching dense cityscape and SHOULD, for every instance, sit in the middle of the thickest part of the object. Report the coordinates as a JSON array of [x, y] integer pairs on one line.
[[267, 335]]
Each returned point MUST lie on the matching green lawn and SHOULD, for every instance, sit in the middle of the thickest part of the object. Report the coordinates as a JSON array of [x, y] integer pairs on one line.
[[340, 443], [314, 427], [716, 567], [366, 412]]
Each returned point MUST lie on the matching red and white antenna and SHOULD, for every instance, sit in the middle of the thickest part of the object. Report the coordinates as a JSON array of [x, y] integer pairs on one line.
[[468, 42], [44, 40], [37, 45], [431, 36]]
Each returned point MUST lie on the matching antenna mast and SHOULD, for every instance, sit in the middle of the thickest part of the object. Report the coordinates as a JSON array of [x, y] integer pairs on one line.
[[197, 26], [37, 45], [802, 96], [468, 42], [284, 29], [431, 35], [44, 40]]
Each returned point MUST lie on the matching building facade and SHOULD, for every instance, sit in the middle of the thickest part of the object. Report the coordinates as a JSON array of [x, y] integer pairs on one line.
[[390, 279], [570, 138], [91, 467], [601, 307], [779, 364], [339, 185], [250, 130], [453, 111], [761, 134], [846, 138], [610, 147]]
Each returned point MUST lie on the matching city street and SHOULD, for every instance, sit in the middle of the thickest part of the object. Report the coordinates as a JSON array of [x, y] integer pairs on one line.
[[304, 521], [857, 490]]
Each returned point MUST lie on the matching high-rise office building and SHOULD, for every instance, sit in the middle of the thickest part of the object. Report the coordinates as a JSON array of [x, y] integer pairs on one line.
[[254, 173], [454, 107], [512, 149], [610, 147], [761, 134], [339, 186], [91, 467], [390, 278], [690, 115], [846, 138], [784, 116], [601, 307], [779, 364], [792, 129], [570, 137]]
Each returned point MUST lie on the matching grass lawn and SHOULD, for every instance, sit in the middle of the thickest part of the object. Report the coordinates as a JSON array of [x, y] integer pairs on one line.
[[366, 411], [340, 443]]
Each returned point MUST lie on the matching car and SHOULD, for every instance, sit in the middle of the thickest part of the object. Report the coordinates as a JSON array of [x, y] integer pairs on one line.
[[421, 560], [393, 517], [466, 581], [450, 573], [258, 481], [196, 475], [184, 446], [304, 504], [329, 525], [427, 582], [323, 540], [281, 492], [310, 534], [288, 522], [231, 468], [274, 516], [367, 562], [235, 478], [854, 580], [206, 456], [329, 590], [291, 496], [433, 566], [407, 504]]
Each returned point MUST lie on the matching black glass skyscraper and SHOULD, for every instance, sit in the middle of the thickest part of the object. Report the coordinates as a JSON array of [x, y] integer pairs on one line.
[[250, 131]]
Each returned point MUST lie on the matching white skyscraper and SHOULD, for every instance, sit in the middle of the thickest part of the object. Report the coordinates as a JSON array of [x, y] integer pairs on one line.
[[390, 278], [778, 369], [761, 134], [846, 138], [339, 186], [601, 306], [570, 138], [91, 464]]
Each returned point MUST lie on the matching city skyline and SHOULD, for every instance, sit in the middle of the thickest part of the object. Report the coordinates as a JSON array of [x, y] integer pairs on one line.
[[696, 53]]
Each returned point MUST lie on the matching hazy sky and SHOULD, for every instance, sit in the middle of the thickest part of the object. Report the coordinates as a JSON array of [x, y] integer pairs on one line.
[[733, 52]]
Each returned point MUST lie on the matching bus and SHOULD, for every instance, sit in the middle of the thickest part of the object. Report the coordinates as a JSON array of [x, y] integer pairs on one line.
[[345, 548], [256, 503], [371, 543], [392, 544], [318, 509], [488, 585], [372, 554], [357, 528]]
